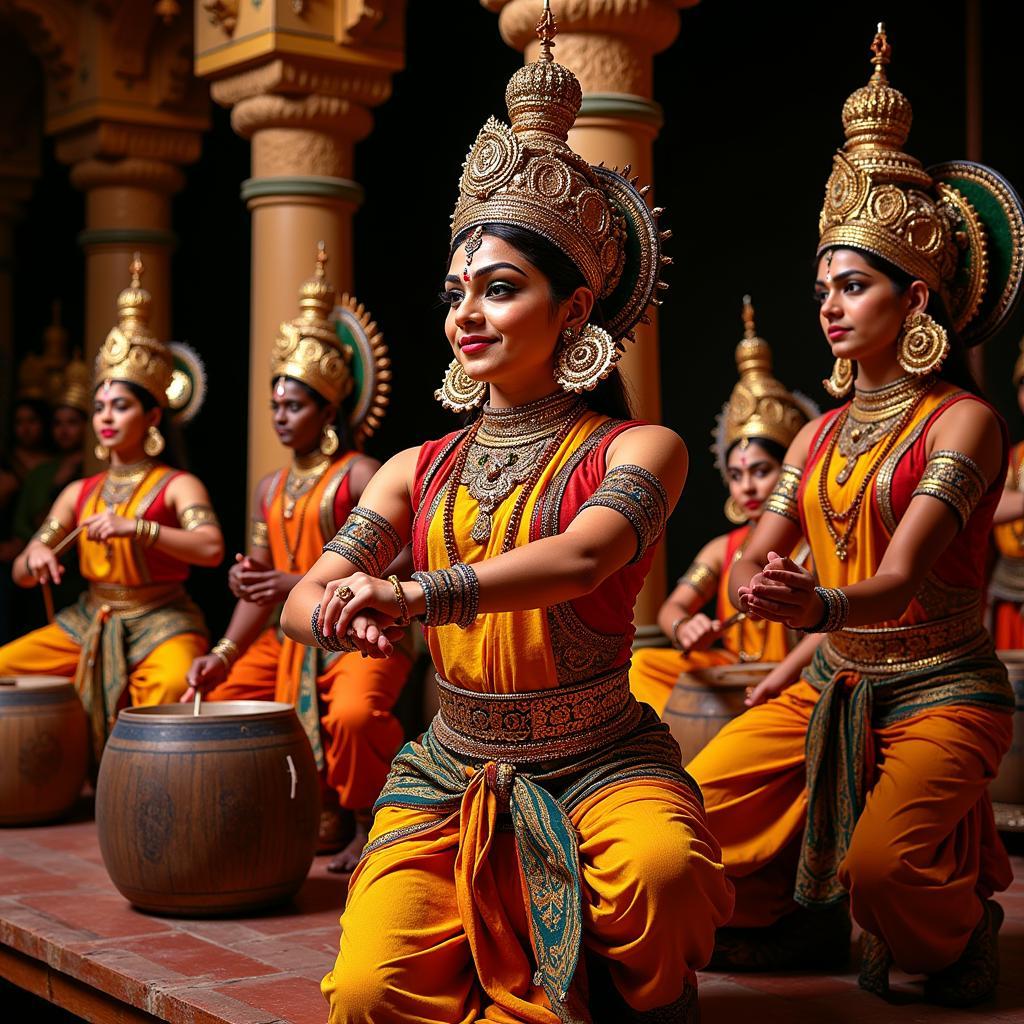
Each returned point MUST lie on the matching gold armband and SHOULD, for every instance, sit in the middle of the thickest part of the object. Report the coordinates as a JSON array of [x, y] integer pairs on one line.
[[50, 533], [367, 540], [702, 578], [637, 494], [195, 516], [783, 501], [259, 534], [954, 478]]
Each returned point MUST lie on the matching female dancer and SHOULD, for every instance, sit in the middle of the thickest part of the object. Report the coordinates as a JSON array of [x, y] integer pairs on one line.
[[755, 427], [314, 367], [545, 811], [867, 780], [132, 636]]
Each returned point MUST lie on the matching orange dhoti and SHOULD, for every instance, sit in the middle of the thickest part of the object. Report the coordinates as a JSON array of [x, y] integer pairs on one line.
[[924, 850], [358, 734]]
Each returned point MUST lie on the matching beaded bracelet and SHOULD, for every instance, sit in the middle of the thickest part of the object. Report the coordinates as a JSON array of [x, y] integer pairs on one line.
[[836, 610], [451, 596], [335, 643]]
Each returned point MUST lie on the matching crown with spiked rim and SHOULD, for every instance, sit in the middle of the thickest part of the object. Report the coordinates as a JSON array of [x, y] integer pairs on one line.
[[958, 226], [760, 406], [172, 373], [334, 347], [75, 391], [527, 175]]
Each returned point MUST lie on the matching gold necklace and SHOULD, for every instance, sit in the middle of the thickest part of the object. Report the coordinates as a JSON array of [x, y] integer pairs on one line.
[[303, 475], [505, 450], [121, 482], [872, 415]]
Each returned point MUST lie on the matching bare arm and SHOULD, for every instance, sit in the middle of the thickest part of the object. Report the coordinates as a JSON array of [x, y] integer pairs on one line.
[[36, 564], [923, 534], [680, 617], [1010, 507]]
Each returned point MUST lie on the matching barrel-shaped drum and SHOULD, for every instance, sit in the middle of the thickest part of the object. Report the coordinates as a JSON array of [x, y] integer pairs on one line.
[[1008, 785], [705, 699], [210, 814], [44, 748]]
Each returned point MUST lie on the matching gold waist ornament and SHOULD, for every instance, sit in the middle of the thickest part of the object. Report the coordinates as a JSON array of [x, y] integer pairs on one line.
[[545, 725], [133, 600], [894, 650]]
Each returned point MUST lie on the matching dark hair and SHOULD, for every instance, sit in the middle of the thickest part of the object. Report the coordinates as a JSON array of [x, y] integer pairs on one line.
[[773, 448], [174, 452], [340, 421], [610, 397], [955, 369]]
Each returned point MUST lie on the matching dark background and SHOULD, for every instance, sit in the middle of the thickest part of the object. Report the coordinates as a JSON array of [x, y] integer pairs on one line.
[[752, 94]]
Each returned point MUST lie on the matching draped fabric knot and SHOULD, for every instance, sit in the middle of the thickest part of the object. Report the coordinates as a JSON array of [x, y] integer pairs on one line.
[[500, 776]]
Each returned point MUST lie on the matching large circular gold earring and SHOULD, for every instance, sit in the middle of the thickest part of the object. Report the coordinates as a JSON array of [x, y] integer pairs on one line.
[[329, 440], [839, 383], [101, 453], [735, 512], [154, 443], [586, 359], [458, 391], [923, 345]]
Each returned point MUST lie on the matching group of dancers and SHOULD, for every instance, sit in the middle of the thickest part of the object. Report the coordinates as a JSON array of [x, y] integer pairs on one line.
[[540, 854]]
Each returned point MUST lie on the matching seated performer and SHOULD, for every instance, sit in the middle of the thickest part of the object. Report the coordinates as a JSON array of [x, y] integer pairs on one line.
[[342, 698], [755, 427], [132, 636], [866, 783], [545, 814], [1006, 587]]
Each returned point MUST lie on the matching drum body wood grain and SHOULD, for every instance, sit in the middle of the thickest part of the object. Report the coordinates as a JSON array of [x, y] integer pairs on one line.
[[706, 699], [208, 815], [1008, 786], [44, 748]]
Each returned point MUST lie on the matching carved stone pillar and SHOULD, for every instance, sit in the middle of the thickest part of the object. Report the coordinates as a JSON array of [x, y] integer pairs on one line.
[[304, 105], [610, 46]]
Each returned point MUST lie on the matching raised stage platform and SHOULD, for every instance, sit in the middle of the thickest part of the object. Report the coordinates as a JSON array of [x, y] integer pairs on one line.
[[67, 937]]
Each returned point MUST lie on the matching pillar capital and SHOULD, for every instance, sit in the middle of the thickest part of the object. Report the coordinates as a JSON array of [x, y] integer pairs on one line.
[[608, 44]]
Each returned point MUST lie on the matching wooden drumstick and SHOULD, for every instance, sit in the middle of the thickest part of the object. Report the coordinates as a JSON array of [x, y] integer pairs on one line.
[[197, 702], [57, 552]]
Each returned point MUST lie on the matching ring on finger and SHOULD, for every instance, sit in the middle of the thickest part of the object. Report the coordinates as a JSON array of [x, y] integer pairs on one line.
[[344, 594]]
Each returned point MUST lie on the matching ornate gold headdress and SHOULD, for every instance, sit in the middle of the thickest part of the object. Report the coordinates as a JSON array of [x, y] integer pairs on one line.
[[173, 373], [958, 227], [526, 175], [75, 391], [759, 406], [334, 347]]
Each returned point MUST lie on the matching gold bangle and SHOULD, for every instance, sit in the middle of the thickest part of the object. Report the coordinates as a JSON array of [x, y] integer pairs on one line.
[[141, 528], [153, 529], [227, 650], [675, 630], [403, 605]]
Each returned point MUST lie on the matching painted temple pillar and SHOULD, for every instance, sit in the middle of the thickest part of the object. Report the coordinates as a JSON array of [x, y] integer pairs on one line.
[[301, 80], [610, 46]]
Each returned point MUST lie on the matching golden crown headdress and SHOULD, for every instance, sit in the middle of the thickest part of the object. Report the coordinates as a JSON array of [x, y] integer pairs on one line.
[[959, 226], [760, 407], [334, 347], [172, 373], [526, 175], [75, 391]]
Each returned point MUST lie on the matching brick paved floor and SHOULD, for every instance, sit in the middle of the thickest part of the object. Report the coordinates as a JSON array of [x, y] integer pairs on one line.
[[67, 935]]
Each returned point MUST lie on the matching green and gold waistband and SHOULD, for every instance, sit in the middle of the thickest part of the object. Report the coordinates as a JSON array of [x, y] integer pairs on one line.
[[895, 650], [544, 725], [133, 600]]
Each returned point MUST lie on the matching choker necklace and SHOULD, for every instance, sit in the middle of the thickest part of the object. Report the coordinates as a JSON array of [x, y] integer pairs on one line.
[[121, 482], [506, 449], [873, 414], [303, 475]]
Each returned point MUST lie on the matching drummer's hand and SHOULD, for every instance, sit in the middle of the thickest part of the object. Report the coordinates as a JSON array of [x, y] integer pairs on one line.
[[783, 592], [104, 525], [203, 674], [41, 563], [780, 678], [698, 633]]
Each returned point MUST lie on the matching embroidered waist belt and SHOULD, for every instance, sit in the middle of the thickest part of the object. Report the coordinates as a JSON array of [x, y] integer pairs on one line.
[[544, 725], [896, 650], [1008, 579], [133, 600]]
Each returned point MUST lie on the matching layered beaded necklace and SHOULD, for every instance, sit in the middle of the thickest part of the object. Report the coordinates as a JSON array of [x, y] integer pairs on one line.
[[303, 476], [884, 412], [121, 482], [506, 449]]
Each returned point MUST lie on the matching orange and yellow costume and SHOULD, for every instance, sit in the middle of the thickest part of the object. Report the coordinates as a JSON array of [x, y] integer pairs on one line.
[[880, 757], [447, 900], [132, 636], [343, 700], [1006, 588]]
